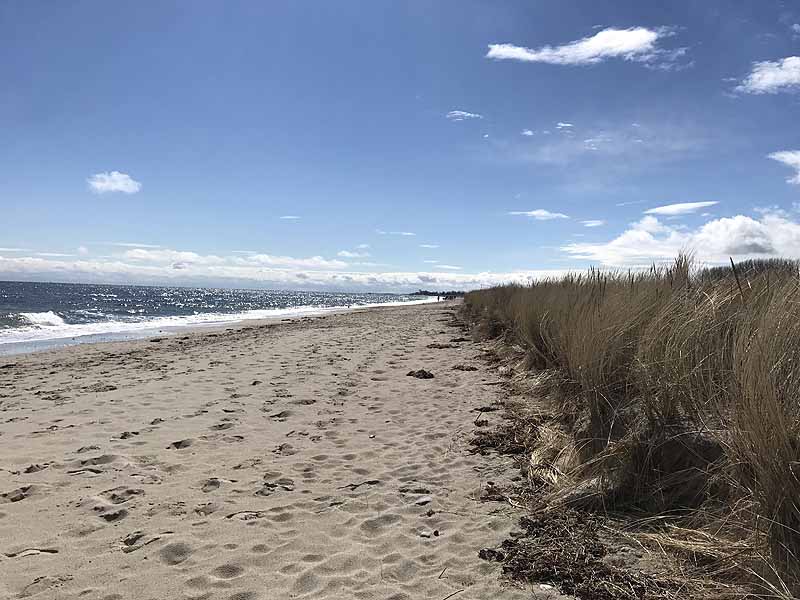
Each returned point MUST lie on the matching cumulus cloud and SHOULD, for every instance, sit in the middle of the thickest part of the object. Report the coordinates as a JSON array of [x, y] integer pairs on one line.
[[83, 250], [638, 44], [564, 125], [681, 208], [527, 132], [462, 115], [791, 158], [102, 183], [741, 236], [448, 267], [771, 77], [540, 214], [289, 217], [593, 223]]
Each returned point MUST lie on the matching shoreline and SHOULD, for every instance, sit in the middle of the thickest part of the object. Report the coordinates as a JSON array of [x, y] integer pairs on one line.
[[290, 313], [285, 459]]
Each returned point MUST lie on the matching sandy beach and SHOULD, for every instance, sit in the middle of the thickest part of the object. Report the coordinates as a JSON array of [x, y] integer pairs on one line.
[[285, 460]]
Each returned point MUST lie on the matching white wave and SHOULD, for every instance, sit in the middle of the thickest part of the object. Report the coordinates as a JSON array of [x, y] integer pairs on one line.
[[44, 319], [53, 327]]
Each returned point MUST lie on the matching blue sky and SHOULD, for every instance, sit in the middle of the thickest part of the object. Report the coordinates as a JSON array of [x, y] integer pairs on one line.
[[157, 142]]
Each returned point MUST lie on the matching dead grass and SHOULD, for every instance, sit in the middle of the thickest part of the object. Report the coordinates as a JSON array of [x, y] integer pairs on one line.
[[677, 398]]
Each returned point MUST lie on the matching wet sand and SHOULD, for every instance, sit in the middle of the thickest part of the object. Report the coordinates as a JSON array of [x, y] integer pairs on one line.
[[282, 460]]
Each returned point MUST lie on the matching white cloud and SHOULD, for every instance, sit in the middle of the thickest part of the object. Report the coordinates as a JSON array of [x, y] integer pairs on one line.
[[593, 223], [267, 271], [771, 77], [165, 255], [83, 250], [539, 214], [181, 259], [54, 254], [462, 115], [634, 44], [402, 233], [527, 132], [313, 262], [560, 125], [114, 181], [771, 234], [289, 217], [362, 246], [429, 245], [15, 249], [681, 208], [352, 254], [448, 267], [791, 158], [430, 262]]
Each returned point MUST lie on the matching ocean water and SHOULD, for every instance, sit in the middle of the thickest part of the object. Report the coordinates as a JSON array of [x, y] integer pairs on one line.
[[36, 316]]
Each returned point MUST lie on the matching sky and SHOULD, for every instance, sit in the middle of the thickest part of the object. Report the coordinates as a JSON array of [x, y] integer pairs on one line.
[[391, 146]]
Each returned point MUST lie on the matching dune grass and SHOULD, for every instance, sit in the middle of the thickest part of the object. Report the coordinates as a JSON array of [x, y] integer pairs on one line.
[[679, 392]]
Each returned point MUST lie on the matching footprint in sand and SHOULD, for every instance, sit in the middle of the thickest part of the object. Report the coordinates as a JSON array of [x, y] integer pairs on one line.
[[180, 444], [210, 485], [121, 494], [222, 426], [35, 468], [138, 539], [18, 494], [103, 459], [206, 509], [281, 416], [228, 571], [175, 553], [111, 516], [271, 487], [83, 449], [285, 450]]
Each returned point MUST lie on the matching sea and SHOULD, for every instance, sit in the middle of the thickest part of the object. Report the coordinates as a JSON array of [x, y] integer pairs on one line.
[[39, 316]]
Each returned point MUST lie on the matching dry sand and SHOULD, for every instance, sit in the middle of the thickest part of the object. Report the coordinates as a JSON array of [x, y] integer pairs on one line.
[[290, 460]]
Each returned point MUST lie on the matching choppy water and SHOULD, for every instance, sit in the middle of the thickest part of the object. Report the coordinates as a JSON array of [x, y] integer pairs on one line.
[[31, 313]]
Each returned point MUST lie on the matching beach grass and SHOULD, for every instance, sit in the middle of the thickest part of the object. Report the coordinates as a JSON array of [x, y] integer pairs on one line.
[[675, 395]]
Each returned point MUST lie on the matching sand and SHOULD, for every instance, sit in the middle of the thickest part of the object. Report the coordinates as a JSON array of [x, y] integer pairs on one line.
[[288, 460]]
